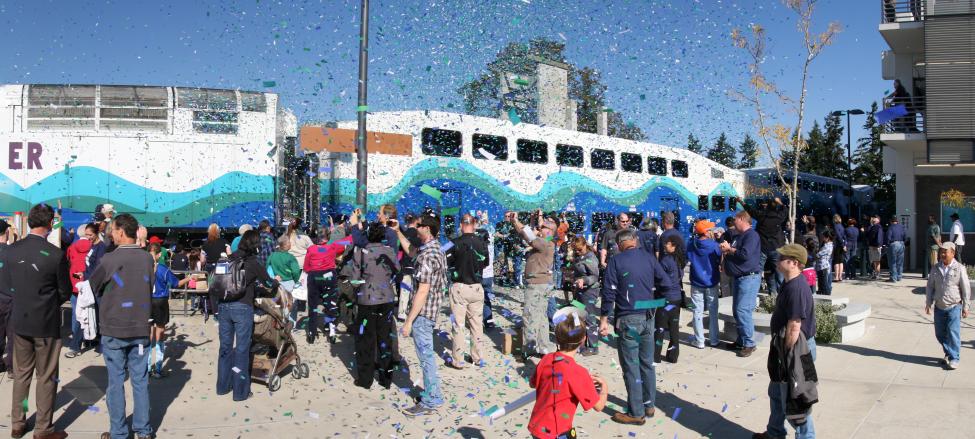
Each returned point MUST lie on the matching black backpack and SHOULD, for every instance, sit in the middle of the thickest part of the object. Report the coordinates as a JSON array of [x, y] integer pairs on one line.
[[227, 281]]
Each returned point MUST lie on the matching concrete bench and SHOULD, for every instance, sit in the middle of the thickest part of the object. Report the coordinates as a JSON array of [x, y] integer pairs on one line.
[[852, 321], [832, 300]]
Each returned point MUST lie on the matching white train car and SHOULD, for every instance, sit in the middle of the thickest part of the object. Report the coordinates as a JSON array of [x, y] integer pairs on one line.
[[458, 163], [176, 158]]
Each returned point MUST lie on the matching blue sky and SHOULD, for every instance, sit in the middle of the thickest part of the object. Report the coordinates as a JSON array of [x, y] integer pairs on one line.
[[676, 54]]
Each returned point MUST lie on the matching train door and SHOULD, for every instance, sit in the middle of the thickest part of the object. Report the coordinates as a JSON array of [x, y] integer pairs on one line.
[[451, 208], [671, 204], [297, 186]]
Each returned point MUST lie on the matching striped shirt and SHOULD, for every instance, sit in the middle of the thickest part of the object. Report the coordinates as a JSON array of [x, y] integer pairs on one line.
[[431, 268]]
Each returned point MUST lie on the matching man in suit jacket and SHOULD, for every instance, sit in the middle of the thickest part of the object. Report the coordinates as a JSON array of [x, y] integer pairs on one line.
[[35, 273]]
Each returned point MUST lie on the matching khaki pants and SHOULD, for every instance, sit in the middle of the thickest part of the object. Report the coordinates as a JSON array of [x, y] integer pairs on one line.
[[535, 320], [934, 257], [466, 306], [41, 355], [404, 296]]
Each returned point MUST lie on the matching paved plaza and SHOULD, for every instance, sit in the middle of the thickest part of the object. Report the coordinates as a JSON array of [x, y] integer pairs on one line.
[[888, 384]]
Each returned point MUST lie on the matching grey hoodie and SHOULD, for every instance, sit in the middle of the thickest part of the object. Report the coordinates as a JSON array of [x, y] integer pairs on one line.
[[797, 369], [373, 269]]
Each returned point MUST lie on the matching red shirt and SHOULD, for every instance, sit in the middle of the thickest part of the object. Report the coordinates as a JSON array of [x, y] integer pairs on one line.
[[321, 257], [560, 385], [77, 258]]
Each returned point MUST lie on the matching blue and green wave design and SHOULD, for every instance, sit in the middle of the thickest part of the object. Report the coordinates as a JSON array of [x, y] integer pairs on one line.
[[469, 188], [229, 200]]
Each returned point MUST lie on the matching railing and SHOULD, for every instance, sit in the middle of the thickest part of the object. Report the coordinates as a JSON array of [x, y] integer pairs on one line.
[[913, 121], [902, 11]]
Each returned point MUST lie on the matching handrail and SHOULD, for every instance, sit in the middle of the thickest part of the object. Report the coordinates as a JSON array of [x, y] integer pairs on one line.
[[902, 11], [913, 122]]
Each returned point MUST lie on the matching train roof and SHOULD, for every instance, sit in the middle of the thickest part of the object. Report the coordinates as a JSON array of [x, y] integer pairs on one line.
[[131, 85]]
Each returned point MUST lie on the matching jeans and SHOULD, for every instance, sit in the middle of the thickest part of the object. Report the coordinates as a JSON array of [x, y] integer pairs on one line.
[[896, 260], [121, 355], [323, 300], [557, 270], [777, 393], [774, 280], [535, 321], [488, 284], [825, 280], [636, 357], [77, 336], [947, 328], [423, 340], [589, 298], [667, 319], [744, 300], [236, 321], [703, 297], [518, 260]]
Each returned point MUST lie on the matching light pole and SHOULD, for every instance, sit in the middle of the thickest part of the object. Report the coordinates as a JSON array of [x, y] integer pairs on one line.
[[360, 146], [849, 157]]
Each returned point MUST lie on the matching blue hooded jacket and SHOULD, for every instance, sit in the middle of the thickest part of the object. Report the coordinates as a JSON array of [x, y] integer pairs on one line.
[[704, 256]]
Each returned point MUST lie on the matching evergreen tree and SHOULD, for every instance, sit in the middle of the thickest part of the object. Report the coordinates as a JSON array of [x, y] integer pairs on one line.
[[868, 161], [694, 145], [833, 161], [809, 160], [723, 152], [749, 153]]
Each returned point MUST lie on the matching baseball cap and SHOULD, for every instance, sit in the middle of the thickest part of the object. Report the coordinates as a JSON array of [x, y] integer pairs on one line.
[[954, 215], [702, 226], [948, 246], [155, 240], [794, 251]]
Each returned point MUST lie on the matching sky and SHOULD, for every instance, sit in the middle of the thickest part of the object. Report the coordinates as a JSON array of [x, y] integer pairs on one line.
[[669, 66]]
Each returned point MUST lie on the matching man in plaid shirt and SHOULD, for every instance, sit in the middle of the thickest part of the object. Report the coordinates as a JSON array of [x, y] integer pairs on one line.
[[431, 279]]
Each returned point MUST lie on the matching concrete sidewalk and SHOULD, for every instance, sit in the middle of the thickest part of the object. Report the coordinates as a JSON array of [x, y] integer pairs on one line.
[[887, 384]]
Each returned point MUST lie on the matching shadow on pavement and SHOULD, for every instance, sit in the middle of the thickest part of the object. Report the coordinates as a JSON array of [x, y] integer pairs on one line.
[[902, 358], [707, 423]]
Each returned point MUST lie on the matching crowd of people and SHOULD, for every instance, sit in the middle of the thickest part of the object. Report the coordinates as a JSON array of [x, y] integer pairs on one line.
[[382, 280]]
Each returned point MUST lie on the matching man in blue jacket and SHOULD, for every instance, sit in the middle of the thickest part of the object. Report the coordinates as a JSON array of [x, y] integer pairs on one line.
[[742, 261], [705, 257], [875, 245], [895, 241], [627, 294]]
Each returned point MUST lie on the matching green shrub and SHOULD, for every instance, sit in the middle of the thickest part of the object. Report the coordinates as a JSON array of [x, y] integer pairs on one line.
[[766, 303], [827, 331]]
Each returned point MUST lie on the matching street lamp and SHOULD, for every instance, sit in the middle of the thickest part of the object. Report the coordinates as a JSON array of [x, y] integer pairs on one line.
[[849, 156]]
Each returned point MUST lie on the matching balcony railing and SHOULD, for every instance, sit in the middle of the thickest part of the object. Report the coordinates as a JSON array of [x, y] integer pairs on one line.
[[902, 11], [913, 121]]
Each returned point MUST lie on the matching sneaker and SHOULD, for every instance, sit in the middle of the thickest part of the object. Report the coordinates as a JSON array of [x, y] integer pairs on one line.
[[953, 364], [745, 352], [945, 360], [699, 345], [624, 418], [419, 410]]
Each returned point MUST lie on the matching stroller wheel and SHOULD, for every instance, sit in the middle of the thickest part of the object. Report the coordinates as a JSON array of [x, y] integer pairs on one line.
[[274, 383], [296, 371], [304, 370]]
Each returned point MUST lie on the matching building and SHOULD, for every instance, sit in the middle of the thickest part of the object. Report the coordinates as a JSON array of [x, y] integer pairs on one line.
[[932, 148]]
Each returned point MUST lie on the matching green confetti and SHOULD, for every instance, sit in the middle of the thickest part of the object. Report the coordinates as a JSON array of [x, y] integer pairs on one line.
[[431, 191], [25, 405], [650, 304], [288, 414], [45, 253], [270, 83], [362, 108], [451, 211], [578, 304]]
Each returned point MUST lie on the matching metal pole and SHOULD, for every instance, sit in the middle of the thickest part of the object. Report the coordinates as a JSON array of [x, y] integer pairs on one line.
[[849, 167], [361, 156]]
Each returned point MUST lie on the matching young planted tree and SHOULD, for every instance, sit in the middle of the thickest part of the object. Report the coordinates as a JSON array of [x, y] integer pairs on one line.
[[778, 138]]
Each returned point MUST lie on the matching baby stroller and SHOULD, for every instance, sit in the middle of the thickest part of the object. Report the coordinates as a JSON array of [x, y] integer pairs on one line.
[[272, 348]]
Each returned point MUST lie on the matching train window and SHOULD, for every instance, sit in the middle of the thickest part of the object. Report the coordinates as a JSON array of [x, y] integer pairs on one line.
[[733, 203], [679, 168], [568, 155], [717, 173], [532, 151], [657, 165], [486, 146], [631, 162], [635, 218], [449, 226], [444, 143], [253, 101], [702, 202], [603, 159], [717, 203]]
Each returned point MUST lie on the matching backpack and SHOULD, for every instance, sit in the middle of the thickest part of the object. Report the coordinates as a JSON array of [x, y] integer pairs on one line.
[[227, 281]]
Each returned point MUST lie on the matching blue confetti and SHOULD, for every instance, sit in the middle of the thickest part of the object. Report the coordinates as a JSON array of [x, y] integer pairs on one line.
[[126, 304], [118, 280], [676, 413]]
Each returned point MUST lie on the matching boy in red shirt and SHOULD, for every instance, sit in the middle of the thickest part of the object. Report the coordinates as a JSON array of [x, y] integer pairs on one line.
[[561, 384]]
